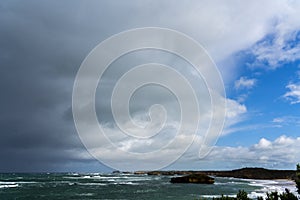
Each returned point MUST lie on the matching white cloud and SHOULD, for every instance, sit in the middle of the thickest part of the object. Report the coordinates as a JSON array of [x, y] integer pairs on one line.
[[235, 113], [275, 54], [287, 121], [234, 109], [263, 144], [293, 95], [283, 152], [280, 46], [242, 98], [278, 120], [284, 140], [244, 82], [226, 34]]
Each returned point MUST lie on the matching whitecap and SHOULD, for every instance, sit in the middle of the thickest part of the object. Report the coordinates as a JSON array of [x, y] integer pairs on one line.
[[7, 182], [272, 186], [92, 184], [9, 186], [217, 196]]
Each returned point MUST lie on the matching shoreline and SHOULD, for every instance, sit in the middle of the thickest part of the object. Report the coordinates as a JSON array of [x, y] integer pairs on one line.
[[244, 173]]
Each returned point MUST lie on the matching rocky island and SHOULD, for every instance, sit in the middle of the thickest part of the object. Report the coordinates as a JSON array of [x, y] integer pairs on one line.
[[193, 178]]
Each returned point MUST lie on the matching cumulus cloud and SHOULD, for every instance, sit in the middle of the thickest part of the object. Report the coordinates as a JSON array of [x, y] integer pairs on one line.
[[293, 93], [263, 144], [276, 53], [244, 82], [280, 45], [279, 153]]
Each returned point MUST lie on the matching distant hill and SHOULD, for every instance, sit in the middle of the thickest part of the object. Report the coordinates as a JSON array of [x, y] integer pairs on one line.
[[245, 173]]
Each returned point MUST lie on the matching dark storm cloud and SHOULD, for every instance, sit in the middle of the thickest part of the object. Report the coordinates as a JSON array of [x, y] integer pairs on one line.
[[42, 44], [41, 48]]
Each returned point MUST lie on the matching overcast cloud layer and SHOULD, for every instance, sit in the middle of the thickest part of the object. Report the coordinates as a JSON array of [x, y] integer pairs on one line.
[[42, 44]]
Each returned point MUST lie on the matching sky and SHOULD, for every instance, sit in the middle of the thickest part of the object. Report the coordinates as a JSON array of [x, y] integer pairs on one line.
[[255, 45]]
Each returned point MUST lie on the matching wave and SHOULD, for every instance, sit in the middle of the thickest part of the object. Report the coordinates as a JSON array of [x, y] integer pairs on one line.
[[90, 184], [272, 186], [114, 178], [8, 185], [126, 183], [216, 196]]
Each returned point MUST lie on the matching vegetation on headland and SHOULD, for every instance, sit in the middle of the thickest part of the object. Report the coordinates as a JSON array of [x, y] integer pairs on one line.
[[242, 195], [298, 178], [245, 173], [287, 195]]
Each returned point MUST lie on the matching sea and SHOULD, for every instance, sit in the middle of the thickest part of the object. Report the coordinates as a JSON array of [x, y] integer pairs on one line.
[[126, 187]]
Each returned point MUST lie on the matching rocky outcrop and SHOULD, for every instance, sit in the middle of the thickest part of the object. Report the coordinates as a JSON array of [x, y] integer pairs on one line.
[[193, 178]]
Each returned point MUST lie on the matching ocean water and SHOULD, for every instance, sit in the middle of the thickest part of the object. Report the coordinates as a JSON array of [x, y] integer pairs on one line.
[[126, 186]]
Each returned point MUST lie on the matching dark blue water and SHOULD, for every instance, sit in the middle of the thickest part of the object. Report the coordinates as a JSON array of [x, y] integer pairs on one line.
[[124, 186]]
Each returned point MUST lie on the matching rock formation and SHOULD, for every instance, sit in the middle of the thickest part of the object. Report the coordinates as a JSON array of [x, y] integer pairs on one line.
[[193, 178]]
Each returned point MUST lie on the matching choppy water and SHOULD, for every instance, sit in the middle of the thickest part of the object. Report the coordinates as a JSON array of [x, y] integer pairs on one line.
[[125, 186]]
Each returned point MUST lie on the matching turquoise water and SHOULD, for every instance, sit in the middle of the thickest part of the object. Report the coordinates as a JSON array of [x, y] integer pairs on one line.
[[124, 186]]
